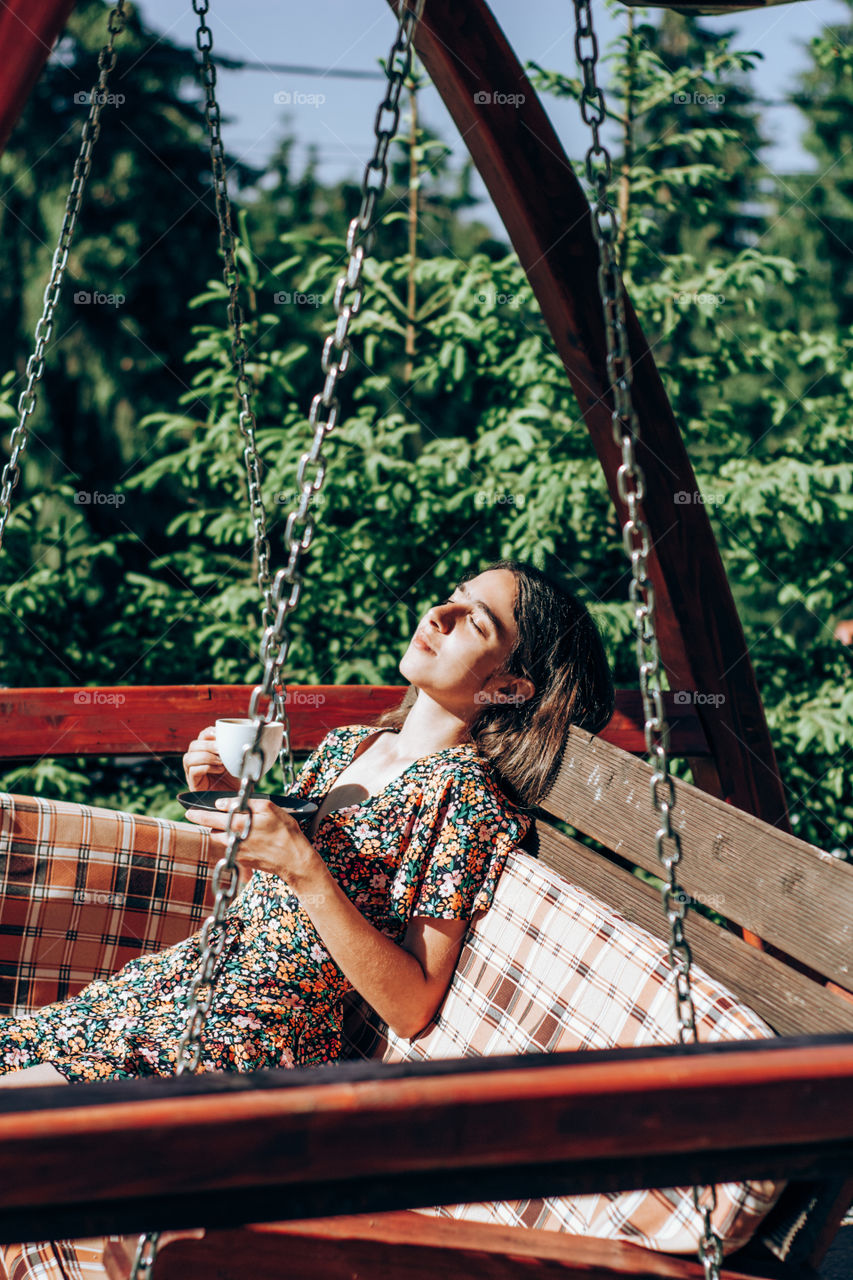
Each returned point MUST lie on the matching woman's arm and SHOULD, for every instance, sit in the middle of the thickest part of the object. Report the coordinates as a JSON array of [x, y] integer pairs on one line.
[[403, 983]]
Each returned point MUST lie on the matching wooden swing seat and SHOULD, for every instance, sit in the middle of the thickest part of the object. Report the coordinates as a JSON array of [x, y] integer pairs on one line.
[[213, 1152], [791, 894]]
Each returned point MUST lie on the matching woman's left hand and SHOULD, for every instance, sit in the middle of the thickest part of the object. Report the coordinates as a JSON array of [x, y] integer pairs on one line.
[[275, 844]]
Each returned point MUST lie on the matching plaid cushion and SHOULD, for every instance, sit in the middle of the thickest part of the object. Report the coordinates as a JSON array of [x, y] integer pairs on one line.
[[84, 890], [547, 967], [54, 1260]]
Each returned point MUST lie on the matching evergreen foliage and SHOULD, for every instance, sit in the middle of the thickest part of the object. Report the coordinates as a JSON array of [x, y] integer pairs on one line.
[[460, 439]]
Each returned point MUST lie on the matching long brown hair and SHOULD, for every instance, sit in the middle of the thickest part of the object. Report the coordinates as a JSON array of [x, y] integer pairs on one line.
[[560, 650]]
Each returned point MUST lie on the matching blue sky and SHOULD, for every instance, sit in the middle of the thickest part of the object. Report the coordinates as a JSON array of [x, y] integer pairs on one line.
[[352, 34]]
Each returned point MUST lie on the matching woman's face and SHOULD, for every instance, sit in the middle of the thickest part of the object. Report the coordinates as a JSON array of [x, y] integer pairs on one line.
[[461, 645]]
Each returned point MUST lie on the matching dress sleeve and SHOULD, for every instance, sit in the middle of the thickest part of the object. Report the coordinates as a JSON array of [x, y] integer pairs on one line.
[[463, 839]]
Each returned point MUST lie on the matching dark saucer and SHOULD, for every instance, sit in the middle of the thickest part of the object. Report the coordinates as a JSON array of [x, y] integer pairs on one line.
[[300, 809]]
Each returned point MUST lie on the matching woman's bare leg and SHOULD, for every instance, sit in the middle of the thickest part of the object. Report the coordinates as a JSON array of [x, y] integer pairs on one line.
[[44, 1073]]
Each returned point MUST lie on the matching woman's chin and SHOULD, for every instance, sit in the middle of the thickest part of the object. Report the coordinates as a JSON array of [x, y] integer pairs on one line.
[[417, 666], [409, 665]]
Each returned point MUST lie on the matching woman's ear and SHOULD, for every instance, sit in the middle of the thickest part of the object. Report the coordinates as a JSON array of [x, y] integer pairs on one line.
[[524, 688], [507, 689]]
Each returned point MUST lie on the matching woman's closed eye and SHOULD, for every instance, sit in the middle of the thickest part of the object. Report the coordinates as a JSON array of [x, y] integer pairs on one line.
[[470, 618]]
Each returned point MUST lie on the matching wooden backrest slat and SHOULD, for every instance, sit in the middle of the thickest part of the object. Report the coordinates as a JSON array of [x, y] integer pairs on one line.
[[790, 893], [789, 1001], [144, 719]]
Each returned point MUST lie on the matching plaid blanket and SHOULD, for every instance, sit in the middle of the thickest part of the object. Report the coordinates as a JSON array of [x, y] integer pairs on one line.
[[547, 967]]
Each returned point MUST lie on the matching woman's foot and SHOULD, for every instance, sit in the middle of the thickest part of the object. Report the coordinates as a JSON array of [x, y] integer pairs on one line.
[[44, 1073]]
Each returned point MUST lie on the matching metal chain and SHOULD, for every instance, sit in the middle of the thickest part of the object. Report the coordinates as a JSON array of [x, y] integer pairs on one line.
[[630, 482], [82, 166], [239, 355], [299, 535], [325, 407], [145, 1256]]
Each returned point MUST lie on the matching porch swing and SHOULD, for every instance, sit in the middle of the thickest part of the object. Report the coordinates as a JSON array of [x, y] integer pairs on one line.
[[376, 1138]]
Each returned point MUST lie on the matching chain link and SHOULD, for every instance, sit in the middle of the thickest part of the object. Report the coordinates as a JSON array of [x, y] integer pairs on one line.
[[239, 355], [325, 407], [299, 535], [145, 1256], [82, 167], [636, 538]]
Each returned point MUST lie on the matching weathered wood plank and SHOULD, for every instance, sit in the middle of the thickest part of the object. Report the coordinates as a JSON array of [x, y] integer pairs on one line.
[[403, 1246], [143, 719], [173, 1152], [788, 1000], [789, 893]]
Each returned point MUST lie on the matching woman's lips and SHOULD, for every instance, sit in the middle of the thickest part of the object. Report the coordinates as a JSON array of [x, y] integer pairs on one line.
[[419, 643]]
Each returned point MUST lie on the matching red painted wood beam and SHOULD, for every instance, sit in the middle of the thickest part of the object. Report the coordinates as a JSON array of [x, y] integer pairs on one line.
[[28, 31], [222, 1149], [143, 720], [546, 215]]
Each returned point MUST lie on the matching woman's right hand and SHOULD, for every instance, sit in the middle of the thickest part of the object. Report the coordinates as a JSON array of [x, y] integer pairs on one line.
[[203, 769]]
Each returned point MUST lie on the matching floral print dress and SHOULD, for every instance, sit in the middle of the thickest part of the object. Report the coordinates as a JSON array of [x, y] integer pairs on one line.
[[433, 842]]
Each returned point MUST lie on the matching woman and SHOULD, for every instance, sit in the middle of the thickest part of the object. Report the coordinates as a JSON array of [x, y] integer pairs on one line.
[[416, 817]]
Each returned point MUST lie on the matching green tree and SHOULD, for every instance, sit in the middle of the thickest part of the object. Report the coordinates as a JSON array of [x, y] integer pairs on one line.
[[471, 447], [145, 244], [814, 210], [763, 406], [697, 122]]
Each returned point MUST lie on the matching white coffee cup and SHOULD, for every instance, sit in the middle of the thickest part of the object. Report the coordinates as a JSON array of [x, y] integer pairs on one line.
[[233, 735]]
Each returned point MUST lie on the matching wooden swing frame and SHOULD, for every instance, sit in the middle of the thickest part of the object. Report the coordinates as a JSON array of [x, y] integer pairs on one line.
[[783, 1108]]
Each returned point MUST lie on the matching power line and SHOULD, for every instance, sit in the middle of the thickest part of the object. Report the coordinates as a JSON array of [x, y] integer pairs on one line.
[[352, 73], [285, 68]]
